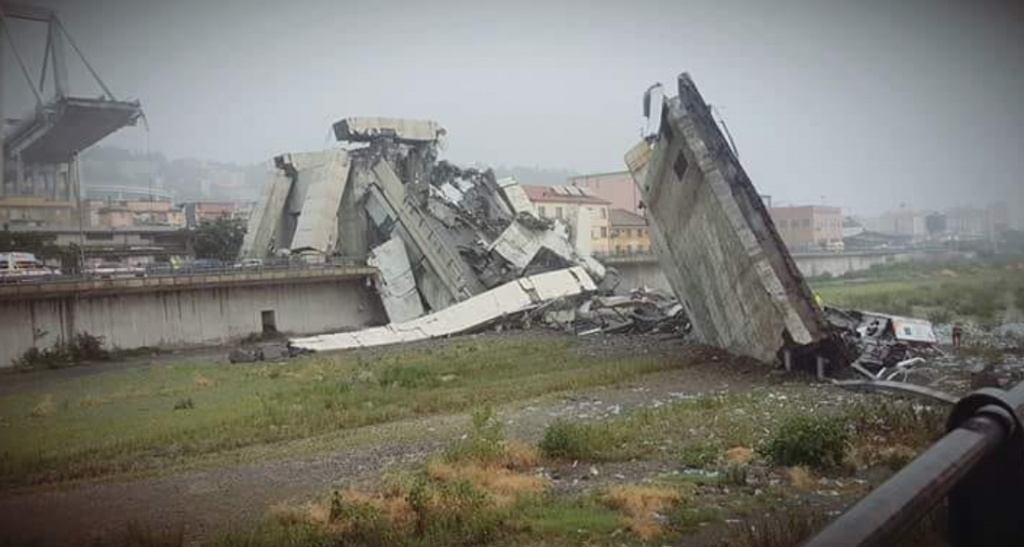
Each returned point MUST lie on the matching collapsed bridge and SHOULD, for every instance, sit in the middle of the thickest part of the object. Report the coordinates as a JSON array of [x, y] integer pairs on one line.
[[438, 234], [716, 242]]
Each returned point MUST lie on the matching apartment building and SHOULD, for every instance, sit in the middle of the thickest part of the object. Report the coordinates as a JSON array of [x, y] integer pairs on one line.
[[809, 227], [566, 202]]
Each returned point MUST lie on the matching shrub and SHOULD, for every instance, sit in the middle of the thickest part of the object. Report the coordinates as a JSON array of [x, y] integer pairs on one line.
[[453, 513], [486, 441], [780, 529], [184, 404], [82, 347], [577, 441], [699, 455], [815, 441], [892, 433], [361, 522]]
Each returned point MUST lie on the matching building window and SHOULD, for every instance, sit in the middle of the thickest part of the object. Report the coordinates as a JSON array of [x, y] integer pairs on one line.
[[604, 232], [604, 212], [558, 212], [540, 210]]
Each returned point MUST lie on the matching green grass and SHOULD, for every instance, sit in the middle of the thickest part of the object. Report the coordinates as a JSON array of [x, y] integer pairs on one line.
[[575, 517], [680, 431], [971, 291], [126, 420]]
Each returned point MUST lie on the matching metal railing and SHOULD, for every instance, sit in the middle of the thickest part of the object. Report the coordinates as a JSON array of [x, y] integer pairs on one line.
[[978, 466], [191, 270]]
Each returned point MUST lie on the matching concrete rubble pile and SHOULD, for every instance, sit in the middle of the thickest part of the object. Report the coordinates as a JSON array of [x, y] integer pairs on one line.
[[642, 311], [438, 234]]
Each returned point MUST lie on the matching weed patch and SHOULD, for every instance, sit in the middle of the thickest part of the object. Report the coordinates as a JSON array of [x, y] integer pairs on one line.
[[578, 441], [699, 455], [815, 441], [643, 506], [45, 407], [82, 347], [781, 529]]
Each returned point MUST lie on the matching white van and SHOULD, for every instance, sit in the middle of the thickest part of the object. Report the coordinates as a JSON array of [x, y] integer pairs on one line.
[[21, 267]]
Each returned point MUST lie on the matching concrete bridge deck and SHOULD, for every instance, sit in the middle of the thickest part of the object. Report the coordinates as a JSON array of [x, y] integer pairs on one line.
[[177, 311], [89, 287]]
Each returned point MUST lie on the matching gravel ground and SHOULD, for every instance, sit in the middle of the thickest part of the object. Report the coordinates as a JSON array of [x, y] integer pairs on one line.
[[205, 502]]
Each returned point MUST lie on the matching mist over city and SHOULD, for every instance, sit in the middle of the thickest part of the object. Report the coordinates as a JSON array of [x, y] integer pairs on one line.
[[433, 274]]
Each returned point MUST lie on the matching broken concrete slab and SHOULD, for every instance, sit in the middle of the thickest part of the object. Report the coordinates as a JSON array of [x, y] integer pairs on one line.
[[366, 129], [317, 226], [395, 283], [298, 212], [716, 242], [515, 297]]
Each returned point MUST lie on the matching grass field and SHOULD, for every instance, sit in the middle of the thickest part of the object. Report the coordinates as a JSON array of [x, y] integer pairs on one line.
[[138, 418], [485, 489], [982, 292]]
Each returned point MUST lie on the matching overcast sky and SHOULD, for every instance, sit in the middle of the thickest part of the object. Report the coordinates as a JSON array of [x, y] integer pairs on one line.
[[864, 104]]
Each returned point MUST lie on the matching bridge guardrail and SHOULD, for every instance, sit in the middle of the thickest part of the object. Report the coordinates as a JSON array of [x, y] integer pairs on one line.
[[233, 269]]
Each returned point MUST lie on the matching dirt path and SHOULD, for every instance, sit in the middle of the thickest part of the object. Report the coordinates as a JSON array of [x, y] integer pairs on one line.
[[204, 503]]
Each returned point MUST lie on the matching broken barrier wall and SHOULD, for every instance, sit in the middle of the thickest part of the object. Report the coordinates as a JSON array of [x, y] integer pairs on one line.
[[715, 240]]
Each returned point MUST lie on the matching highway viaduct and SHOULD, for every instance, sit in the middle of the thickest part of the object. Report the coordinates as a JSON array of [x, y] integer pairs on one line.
[[178, 311]]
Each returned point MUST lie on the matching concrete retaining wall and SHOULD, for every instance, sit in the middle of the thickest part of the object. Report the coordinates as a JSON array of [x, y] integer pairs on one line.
[[645, 270], [187, 317]]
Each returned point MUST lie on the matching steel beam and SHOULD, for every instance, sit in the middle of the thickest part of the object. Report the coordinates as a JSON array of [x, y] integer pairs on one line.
[[27, 12]]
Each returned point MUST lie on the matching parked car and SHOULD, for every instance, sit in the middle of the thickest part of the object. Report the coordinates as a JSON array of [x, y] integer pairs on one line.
[[206, 264], [249, 264]]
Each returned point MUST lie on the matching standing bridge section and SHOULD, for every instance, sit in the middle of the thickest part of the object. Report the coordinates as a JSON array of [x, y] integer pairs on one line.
[[40, 147]]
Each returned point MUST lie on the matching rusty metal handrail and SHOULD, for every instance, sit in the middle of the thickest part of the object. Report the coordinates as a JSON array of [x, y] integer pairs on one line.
[[978, 465]]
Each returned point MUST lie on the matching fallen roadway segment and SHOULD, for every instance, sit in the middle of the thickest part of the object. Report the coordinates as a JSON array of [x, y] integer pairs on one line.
[[479, 311]]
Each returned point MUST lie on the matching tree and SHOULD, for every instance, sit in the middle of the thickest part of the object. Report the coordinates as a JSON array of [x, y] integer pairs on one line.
[[220, 239]]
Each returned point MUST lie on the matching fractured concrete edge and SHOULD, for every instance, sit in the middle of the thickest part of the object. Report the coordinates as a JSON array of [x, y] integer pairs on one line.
[[395, 283], [513, 297]]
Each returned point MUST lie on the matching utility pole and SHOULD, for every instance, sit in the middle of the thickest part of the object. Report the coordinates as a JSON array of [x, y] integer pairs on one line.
[[3, 118], [74, 174]]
